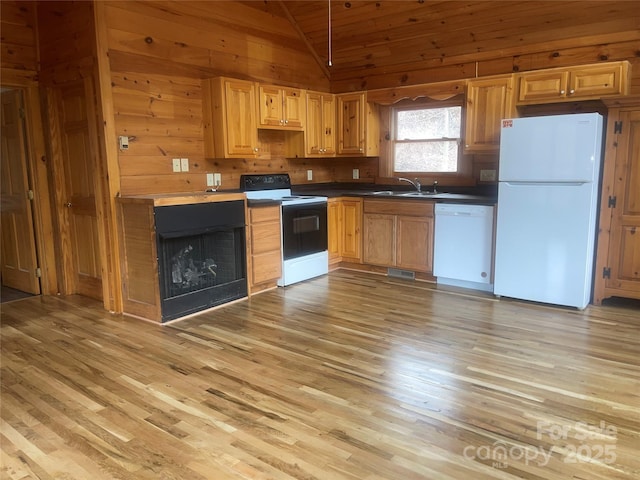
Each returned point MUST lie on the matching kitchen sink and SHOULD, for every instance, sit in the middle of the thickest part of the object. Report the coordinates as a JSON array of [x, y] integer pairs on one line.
[[385, 192], [420, 194]]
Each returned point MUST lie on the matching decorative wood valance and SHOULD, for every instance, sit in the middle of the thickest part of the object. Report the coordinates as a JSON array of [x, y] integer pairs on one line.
[[435, 91]]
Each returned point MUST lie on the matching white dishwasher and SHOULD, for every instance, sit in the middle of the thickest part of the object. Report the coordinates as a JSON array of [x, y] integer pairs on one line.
[[463, 245]]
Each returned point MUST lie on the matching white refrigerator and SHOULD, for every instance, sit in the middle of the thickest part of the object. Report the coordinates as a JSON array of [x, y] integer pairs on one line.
[[548, 194]]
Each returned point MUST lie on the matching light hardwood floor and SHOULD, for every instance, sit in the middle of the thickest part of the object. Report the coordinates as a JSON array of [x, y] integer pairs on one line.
[[348, 376]]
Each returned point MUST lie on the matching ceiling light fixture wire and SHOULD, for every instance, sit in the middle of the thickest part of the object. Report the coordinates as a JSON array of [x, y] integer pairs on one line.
[[330, 63]]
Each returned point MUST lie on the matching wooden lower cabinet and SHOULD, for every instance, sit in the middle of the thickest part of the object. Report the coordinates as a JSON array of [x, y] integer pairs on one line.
[[618, 258], [398, 234], [344, 218], [264, 247]]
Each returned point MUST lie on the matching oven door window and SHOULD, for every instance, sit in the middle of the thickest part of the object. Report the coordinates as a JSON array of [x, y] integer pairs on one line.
[[304, 229]]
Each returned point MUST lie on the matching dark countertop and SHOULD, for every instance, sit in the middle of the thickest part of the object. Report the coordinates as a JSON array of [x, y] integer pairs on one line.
[[480, 195]]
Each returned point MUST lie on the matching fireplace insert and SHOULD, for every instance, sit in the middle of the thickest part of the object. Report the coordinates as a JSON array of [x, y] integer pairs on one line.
[[201, 256]]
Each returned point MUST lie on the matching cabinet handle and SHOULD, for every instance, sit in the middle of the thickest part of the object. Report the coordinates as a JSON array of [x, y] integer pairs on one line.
[[561, 92], [281, 121], [571, 92], [286, 122], [255, 149], [68, 205]]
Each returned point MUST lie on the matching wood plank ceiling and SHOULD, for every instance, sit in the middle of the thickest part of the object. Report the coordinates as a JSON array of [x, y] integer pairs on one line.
[[378, 38]]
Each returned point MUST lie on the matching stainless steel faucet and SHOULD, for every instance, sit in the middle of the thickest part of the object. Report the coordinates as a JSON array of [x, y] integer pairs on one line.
[[415, 183]]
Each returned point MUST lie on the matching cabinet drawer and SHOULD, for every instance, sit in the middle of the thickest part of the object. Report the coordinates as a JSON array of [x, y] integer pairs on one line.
[[266, 267], [418, 208], [264, 214], [265, 238]]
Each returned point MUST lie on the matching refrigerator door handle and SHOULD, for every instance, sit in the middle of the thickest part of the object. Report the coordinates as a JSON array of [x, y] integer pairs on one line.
[[550, 184]]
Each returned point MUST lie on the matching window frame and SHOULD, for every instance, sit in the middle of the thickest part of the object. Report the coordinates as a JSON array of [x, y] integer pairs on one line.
[[464, 167]]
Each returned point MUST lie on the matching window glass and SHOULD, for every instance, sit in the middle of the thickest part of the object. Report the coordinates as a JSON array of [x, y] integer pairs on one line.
[[427, 139]]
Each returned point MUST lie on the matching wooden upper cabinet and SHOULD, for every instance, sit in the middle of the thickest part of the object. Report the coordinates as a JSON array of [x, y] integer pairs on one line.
[[358, 125], [281, 108], [489, 100], [229, 117], [319, 133], [586, 82]]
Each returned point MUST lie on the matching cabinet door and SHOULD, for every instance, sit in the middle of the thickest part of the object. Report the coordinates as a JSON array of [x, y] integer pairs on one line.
[[624, 244], [351, 124], [334, 230], [415, 243], [328, 130], [379, 241], [488, 102], [319, 132], [240, 108], [596, 81], [293, 101], [351, 230], [542, 86], [270, 106]]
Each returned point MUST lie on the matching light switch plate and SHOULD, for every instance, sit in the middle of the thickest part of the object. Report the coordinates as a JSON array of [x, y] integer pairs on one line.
[[176, 165], [209, 179], [309, 174], [184, 164], [356, 173], [217, 179]]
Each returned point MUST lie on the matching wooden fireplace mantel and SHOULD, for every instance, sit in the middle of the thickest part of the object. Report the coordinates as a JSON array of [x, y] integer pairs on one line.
[[167, 199]]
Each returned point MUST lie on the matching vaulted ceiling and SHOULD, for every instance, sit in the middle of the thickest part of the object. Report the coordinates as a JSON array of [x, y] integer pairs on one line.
[[373, 38]]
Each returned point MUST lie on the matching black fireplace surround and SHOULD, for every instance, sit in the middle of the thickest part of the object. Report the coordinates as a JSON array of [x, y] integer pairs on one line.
[[201, 256]]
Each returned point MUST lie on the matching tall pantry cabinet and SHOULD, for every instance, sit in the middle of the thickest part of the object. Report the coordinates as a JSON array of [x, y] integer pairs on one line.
[[618, 259]]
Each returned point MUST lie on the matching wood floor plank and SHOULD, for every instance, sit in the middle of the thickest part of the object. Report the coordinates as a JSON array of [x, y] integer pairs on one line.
[[347, 376]]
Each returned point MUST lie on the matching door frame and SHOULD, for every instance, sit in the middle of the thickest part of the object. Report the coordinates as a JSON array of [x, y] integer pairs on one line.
[[39, 177]]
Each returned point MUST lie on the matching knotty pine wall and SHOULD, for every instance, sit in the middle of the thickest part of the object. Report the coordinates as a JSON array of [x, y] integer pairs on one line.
[[158, 54], [19, 42]]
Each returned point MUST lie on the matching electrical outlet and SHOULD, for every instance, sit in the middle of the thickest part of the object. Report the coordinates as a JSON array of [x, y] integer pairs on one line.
[[356, 173], [217, 179], [487, 175], [309, 174], [176, 165], [184, 164], [209, 179]]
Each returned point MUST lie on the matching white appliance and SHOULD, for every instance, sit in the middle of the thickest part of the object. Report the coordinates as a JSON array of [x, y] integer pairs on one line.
[[463, 245], [547, 208], [304, 226]]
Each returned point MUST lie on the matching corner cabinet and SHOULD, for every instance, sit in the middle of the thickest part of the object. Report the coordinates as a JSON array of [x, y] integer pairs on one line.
[[617, 270], [280, 108], [489, 100], [229, 118], [264, 244], [586, 82], [398, 234], [344, 218], [358, 125]]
